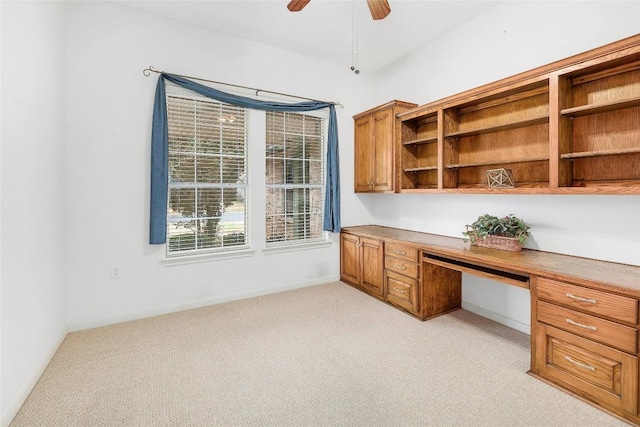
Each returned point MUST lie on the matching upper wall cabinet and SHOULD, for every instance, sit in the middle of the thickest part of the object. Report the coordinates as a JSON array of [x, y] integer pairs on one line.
[[569, 127], [375, 154]]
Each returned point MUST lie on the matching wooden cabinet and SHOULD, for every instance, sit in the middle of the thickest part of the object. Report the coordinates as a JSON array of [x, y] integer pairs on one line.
[[393, 272], [374, 144], [586, 340], [584, 312], [361, 263], [401, 277], [569, 127], [419, 287], [599, 373]]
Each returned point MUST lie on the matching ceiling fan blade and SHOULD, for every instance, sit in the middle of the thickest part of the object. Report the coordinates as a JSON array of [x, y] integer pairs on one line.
[[297, 5], [379, 8]]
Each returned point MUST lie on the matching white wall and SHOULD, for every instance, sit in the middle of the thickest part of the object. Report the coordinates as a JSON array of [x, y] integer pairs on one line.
[[513, 37], [32, 187], [108, 107]]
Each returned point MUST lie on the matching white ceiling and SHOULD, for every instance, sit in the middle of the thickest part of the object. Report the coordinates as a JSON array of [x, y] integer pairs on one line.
[[324, 28]]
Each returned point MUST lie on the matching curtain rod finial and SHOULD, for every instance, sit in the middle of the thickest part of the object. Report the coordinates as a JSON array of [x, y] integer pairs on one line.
[[147, 71]]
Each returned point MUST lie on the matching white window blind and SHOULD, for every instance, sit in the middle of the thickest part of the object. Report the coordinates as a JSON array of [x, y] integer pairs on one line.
[[294, 178], [207, 209]]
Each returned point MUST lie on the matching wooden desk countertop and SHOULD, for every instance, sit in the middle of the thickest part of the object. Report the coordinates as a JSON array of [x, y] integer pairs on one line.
[[598, 274]]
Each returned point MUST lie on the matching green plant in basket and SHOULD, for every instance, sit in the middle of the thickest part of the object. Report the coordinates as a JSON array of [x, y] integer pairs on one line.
[[489, 225]]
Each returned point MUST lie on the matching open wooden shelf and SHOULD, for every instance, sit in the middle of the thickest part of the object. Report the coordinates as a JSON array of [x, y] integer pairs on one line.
[[420, 169], [422, 188], [496, 162], [500, 127], [519, 186], [429, 140], [614, 152], [603, 107], [629, 183]]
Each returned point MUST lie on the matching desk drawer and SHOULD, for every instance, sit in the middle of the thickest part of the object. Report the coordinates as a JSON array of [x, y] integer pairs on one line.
[[615, 307], [401, 266], [401, 291], [585, 325], [602, 373], [401, 251]]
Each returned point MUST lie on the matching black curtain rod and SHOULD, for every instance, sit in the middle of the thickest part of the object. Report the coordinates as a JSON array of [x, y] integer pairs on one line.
[[147, 72]]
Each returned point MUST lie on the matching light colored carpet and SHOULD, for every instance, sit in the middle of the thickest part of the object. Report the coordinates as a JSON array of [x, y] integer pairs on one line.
[[326, 355]]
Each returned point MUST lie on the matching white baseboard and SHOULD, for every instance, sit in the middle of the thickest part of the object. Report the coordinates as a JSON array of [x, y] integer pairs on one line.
[[79, 326], [10, 412], [514, 324]]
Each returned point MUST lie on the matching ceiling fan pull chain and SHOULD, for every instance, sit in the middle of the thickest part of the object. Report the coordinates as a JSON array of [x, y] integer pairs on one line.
[[354, 40]]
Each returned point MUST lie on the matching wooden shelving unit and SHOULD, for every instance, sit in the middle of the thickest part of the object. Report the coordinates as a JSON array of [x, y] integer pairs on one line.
[[419, 153], [599, 141], [572, 126]]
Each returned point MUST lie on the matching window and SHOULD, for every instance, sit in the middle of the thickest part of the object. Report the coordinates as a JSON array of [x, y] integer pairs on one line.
[[207, 209], [294, 178]]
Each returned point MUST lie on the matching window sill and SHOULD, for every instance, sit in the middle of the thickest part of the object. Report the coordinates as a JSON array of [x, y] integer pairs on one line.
[[296, 247], [211, 256]]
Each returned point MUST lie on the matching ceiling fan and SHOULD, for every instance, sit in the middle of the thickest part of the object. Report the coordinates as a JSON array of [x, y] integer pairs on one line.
[[379, 8]]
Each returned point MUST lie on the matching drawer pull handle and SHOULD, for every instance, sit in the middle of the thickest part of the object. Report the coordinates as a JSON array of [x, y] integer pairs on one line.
[[589, 300], [591, 328], [582, 365], [399, 252], [399, 290], [399, 267]]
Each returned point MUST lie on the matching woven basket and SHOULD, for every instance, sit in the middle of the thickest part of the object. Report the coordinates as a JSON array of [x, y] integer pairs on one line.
[[497, 242]]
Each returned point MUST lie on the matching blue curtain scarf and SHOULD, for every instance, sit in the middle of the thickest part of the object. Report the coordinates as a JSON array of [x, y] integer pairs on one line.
[[160, 144]]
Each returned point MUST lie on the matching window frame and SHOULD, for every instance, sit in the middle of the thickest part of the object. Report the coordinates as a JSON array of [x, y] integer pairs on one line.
[[224, 252], [306, 243]]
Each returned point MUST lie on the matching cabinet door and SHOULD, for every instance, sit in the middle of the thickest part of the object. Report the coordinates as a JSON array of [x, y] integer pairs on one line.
[[402, 291], [350, 258], [372, 265], [363, 155], [383, 150], [601, 373]]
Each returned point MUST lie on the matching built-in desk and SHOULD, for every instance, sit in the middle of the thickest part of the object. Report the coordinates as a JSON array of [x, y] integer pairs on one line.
[[584, 312]]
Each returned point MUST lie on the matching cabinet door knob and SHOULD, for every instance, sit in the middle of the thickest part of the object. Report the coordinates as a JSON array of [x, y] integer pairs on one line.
[[399, 290]]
